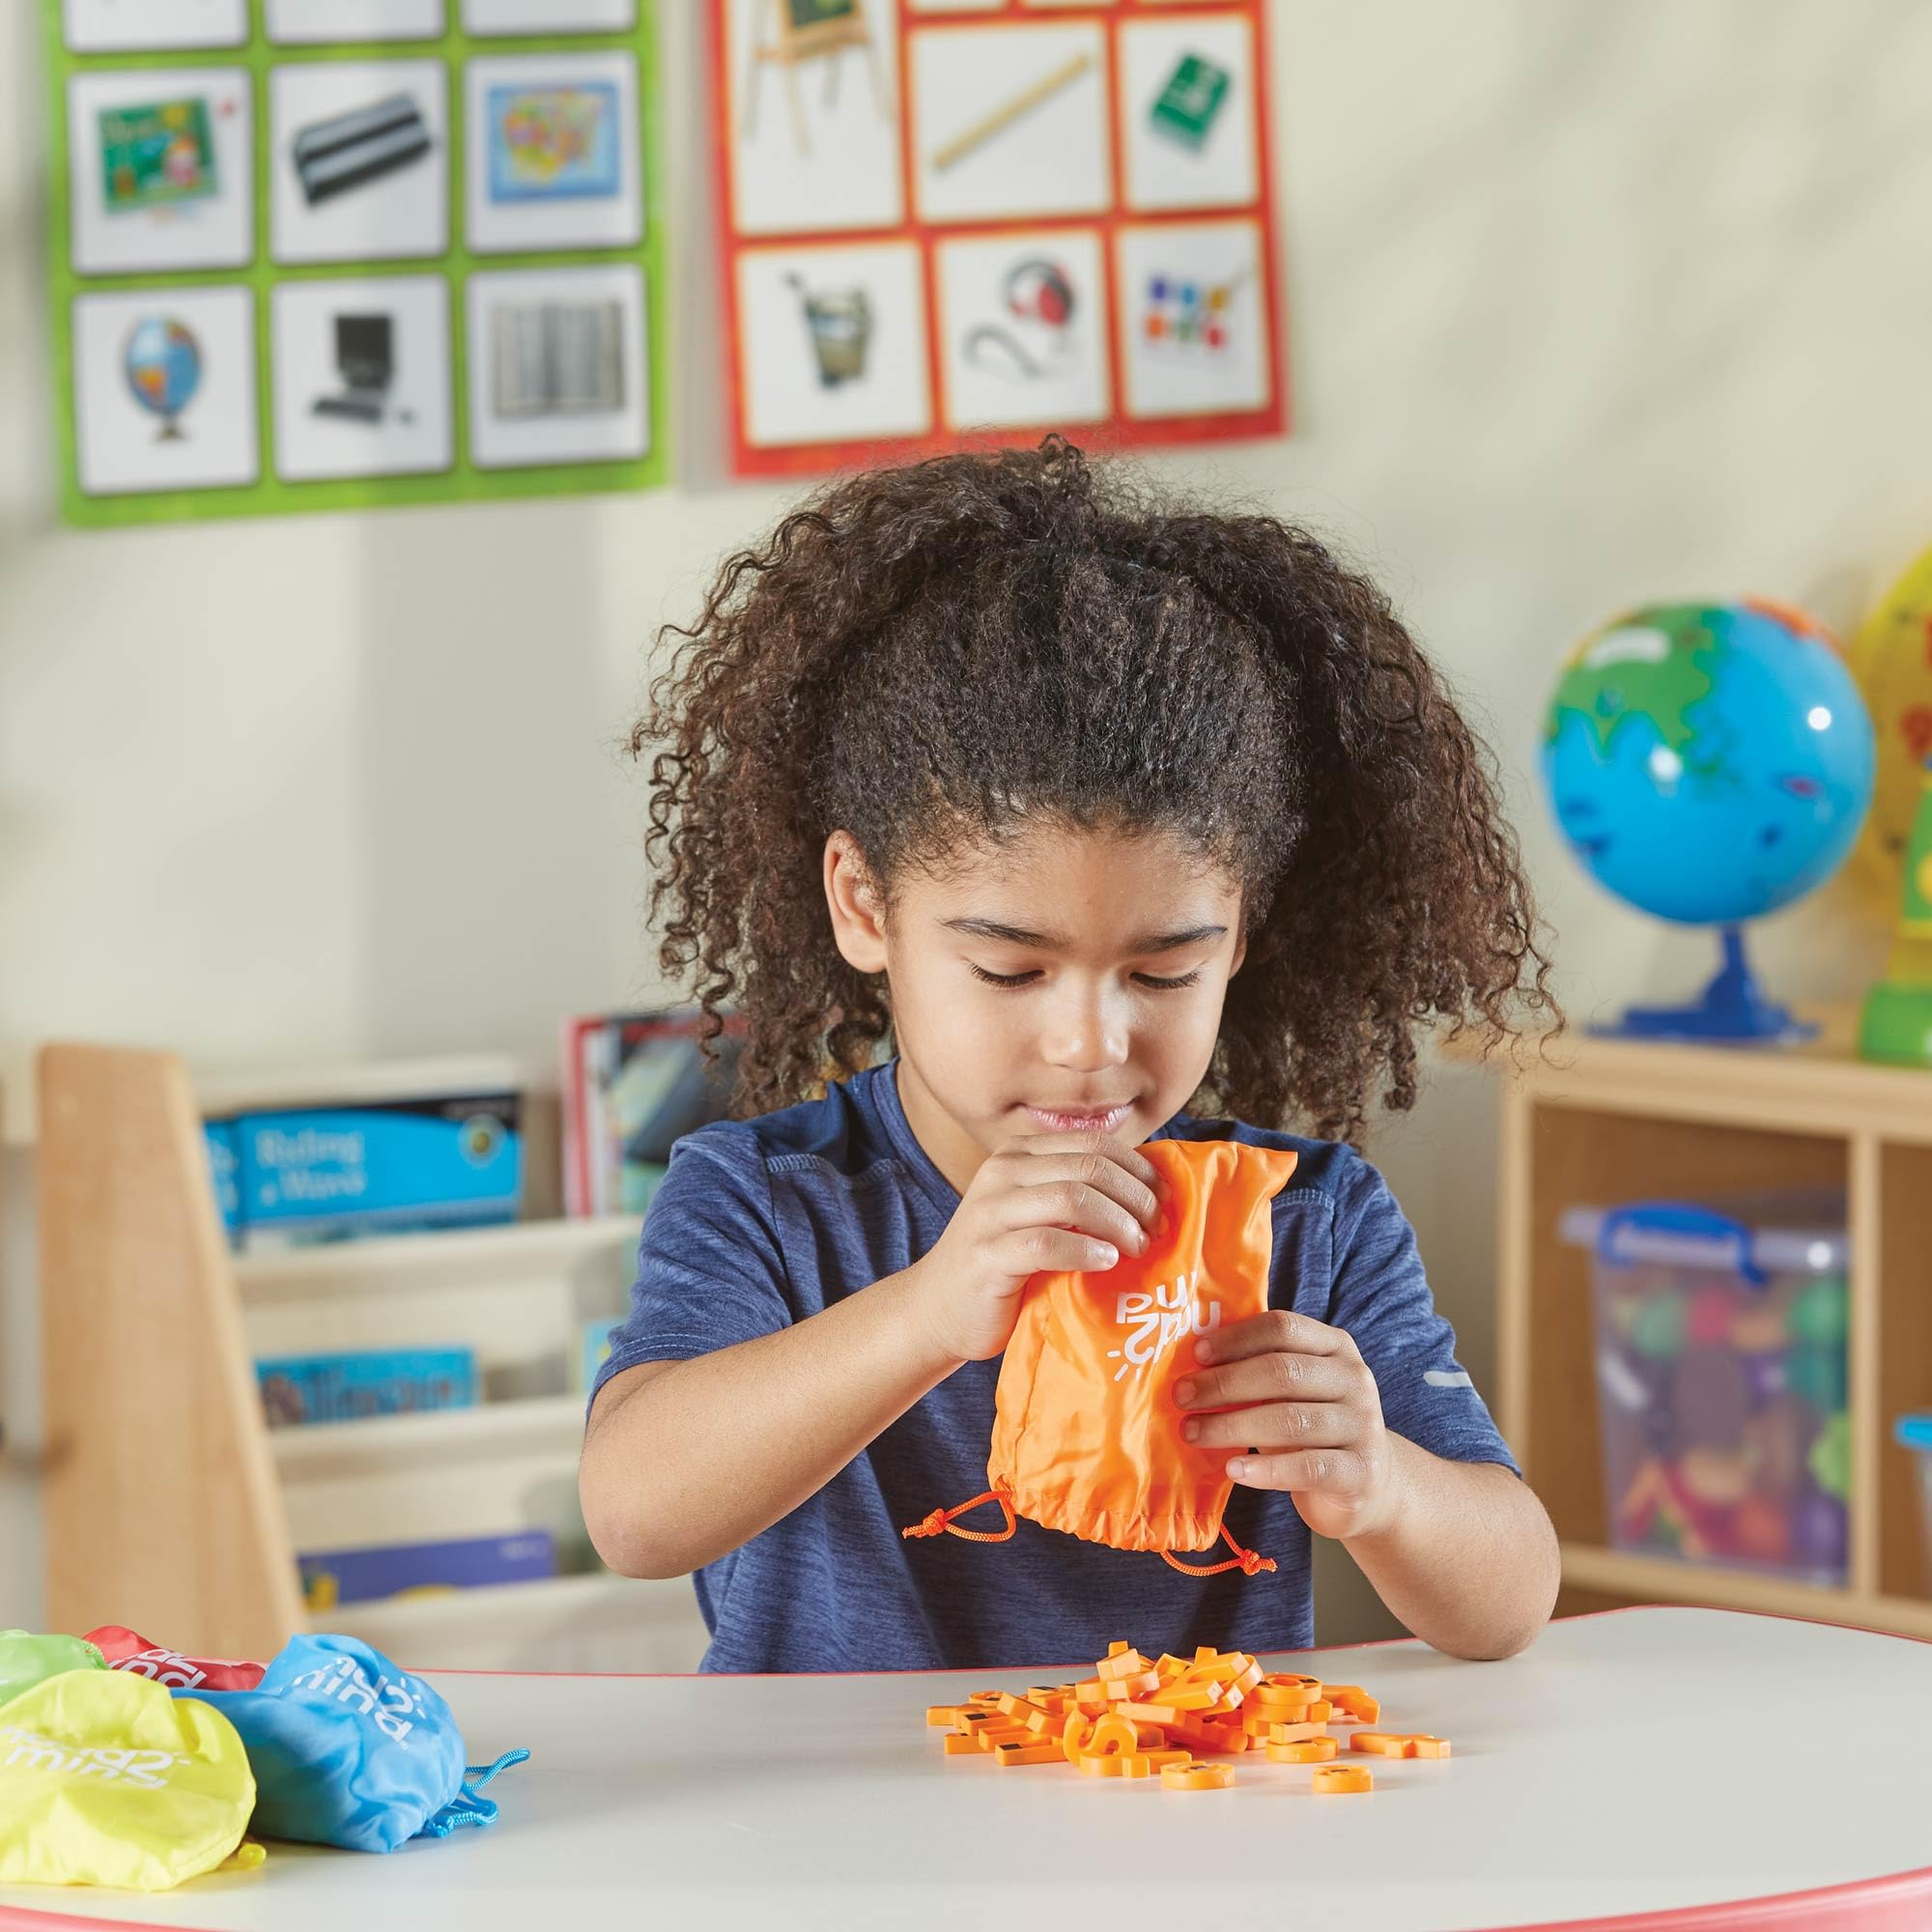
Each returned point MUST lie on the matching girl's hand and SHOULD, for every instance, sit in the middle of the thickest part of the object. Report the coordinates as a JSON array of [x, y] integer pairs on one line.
[[1043, 1201], [1311, 1419]]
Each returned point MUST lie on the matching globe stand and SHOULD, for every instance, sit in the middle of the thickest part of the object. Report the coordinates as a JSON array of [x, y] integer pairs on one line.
[[171, 431], [1733, 1008]]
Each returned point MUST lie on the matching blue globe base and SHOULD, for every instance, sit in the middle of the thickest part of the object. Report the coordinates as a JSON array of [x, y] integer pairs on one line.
[[1733, 1009]]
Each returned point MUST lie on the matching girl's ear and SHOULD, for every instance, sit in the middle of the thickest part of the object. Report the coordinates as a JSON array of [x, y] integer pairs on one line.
[[857, 913]]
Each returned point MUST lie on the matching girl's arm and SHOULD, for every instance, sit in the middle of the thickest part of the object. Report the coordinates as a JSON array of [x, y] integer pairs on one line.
[[1466, 1559], [684, 1460]]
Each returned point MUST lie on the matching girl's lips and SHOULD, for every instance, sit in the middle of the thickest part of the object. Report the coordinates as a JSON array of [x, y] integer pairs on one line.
[[1077, 1120]]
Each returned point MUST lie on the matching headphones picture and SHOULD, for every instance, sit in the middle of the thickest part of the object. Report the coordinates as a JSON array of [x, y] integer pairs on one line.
[[1034, 290]]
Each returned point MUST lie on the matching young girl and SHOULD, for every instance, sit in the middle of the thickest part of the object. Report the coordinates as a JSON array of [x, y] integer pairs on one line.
[[1095, 807]]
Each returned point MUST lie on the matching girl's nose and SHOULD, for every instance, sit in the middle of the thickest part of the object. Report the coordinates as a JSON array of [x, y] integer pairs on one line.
[[1086, 1033]]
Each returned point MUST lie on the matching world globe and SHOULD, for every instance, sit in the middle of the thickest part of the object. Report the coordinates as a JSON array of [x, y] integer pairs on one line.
[[1709, 763], [162, 361]]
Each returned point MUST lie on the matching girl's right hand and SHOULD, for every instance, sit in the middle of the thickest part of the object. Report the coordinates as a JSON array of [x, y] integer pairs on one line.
[[1045, 1203]]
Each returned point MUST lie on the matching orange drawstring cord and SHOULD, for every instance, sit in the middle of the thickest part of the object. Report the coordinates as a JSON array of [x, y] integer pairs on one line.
[[941, 1519], [1244, 1560]]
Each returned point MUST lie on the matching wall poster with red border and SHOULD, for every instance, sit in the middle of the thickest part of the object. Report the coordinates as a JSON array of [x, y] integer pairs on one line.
[[982, 219]]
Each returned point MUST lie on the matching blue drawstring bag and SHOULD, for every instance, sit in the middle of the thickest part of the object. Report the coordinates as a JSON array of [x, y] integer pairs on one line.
[[350, 1749]]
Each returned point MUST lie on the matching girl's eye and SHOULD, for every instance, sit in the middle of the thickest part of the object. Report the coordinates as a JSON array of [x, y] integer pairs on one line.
[[1003, 978], [1160, 985]]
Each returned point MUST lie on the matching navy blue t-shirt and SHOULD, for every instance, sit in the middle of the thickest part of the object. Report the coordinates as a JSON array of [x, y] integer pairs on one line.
[[763, 1222]]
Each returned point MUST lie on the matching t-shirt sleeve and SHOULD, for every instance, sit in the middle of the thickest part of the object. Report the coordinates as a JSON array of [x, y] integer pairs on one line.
[[1381, 1296], [710, 1270]]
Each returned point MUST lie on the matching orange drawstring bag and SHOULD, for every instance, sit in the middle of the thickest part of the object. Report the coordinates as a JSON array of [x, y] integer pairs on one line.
[[1086, 1431]]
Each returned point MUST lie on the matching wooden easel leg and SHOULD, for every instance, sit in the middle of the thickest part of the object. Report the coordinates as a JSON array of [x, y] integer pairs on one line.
[[876, 69], [801, 134], [755, 73], [833, 62]]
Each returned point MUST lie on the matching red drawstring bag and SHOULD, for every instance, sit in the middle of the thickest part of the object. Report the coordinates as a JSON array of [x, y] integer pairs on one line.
[[127, 1650], [1085, 1432]]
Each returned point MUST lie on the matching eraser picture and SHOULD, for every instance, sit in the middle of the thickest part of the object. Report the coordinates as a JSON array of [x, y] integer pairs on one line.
[[331, 157]]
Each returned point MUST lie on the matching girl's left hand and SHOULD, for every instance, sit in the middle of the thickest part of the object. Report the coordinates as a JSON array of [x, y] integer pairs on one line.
[[1308, 1419]]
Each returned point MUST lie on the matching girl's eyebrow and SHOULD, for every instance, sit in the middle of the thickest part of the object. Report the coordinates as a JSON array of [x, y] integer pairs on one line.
[[1046, 942]]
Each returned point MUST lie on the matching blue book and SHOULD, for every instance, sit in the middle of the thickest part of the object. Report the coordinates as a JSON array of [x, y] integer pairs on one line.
[[329, 1577], [297, 1390]]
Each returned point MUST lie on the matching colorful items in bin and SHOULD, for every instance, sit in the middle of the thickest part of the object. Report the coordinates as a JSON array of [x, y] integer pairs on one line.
[[1709, 763], [1722, 1367], [299, 1390], [347, 1749], [333, 1577], [127, 1650], [105, 1779], [1135, 1718], [1085, 1432], [27, 1657]]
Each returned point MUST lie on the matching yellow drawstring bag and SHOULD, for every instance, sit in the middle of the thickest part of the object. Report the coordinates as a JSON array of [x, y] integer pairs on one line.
[[106, 1779]]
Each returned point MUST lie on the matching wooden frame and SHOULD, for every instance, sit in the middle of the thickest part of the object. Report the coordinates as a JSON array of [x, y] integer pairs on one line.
[[1607, 1121]]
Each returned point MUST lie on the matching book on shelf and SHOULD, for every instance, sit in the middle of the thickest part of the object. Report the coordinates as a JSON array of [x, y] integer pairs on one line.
[[333, 1577], [633, 1083], [299, 1391]]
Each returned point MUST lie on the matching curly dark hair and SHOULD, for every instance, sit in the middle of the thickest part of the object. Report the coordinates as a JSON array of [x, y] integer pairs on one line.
[[965, 644]]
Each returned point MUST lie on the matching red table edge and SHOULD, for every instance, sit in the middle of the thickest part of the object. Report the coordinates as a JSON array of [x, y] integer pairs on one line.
[[1894, 1902]]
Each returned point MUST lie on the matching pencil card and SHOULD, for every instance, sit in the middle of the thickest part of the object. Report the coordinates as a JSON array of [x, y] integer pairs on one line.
[[1024, 329], [1010, 121], [161, 174], [810, 119], [362, 371], [164, 390], [833, 343], [152, 26], [345, 23], [1195, 321], [1187, 112], [358, 160], [553, 158]]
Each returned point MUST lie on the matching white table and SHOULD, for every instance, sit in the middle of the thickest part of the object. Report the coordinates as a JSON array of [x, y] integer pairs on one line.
[[1629, 1765]]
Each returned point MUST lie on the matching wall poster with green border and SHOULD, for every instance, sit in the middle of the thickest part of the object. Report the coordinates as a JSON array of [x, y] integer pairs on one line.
[[321, 255]]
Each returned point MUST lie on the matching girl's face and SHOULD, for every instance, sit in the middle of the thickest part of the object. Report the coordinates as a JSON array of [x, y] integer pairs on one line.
[[1058, 981]]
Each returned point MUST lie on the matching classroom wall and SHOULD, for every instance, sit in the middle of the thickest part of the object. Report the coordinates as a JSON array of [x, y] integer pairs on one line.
[[1587, 304]]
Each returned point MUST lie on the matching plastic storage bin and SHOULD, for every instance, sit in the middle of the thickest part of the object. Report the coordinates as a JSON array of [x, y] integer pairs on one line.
[[1721, 1380], [1915, 1433]]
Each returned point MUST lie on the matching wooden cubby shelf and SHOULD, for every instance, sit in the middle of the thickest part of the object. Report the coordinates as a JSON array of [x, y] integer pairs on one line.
[[1605, 1121]]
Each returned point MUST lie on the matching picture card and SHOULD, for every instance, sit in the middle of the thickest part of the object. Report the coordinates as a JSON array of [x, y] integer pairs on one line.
[[1194, 303], [362, 376], [1024, 329], [1187, 112], [812, 118], [358, 161], [552, 153], [152, 26], [164, 390], [1010, 121], [832, 343], [548, 16], [160, 170], [345, 23], [558, 366]]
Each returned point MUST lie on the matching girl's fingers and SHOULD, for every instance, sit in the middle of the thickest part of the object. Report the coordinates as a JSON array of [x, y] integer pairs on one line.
[[1072, 1204], [1053, 1251], [1334, 1472], [1089, 1157], [1277, 1331], [1275, 1426], [1270, 1378]]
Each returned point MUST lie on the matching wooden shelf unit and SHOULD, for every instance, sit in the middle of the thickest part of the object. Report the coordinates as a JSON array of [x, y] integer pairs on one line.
[[172, 1507], [1605, 1121]]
